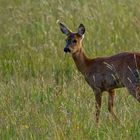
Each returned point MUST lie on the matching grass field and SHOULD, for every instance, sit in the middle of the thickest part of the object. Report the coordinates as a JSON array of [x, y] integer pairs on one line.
[[42, 95]]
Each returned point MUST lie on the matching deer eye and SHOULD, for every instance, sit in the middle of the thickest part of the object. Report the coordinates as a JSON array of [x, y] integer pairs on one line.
[[74, 41]]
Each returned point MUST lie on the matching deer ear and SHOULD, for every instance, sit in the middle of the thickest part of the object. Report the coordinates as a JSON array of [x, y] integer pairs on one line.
[[81, 29], [64, 29]]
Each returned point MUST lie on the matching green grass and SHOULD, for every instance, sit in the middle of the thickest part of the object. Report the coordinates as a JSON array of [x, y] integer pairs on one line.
[[42, 95]]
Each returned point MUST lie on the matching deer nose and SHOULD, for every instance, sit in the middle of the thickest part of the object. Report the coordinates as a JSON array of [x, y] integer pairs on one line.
[[66, 50]]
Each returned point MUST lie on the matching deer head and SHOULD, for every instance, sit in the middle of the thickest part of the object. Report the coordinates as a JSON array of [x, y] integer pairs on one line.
[[73, 40]]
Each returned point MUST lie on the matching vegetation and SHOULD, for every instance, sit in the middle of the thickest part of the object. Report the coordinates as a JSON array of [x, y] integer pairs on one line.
[[42, 95]]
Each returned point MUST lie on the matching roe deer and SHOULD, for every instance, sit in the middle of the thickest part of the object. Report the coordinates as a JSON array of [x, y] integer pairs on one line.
[[104, 73]]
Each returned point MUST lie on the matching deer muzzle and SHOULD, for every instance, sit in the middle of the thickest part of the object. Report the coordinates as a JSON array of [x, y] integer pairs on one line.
[[66, 49]]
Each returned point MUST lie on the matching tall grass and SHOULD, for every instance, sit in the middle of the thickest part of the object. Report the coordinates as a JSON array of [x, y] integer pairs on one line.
[[42, 95]]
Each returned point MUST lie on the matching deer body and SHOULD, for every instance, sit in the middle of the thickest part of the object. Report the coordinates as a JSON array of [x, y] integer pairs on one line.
[[108, 73], [104, 73]]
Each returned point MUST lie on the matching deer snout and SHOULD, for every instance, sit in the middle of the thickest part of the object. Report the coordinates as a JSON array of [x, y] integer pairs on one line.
[[66, 49]]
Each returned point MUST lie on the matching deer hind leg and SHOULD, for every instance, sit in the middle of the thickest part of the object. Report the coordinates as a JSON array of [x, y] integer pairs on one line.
[[98, 98], [132, 82], [111, 98], [134, 90]]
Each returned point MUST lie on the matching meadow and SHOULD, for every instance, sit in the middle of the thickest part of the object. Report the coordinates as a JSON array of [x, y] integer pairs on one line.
[[42, 95]]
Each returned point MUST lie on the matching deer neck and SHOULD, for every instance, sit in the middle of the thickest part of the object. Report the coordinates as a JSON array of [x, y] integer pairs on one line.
[[82, 61]]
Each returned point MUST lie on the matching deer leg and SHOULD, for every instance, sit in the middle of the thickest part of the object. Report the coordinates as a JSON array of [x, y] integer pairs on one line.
[[134, 90], [98, 98], [132, 83], [111, 98]]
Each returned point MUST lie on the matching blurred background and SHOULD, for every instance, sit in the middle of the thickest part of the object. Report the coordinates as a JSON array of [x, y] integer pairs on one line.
[[42, 95]]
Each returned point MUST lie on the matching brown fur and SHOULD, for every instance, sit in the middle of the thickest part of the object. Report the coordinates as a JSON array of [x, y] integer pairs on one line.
[[107, 73]]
